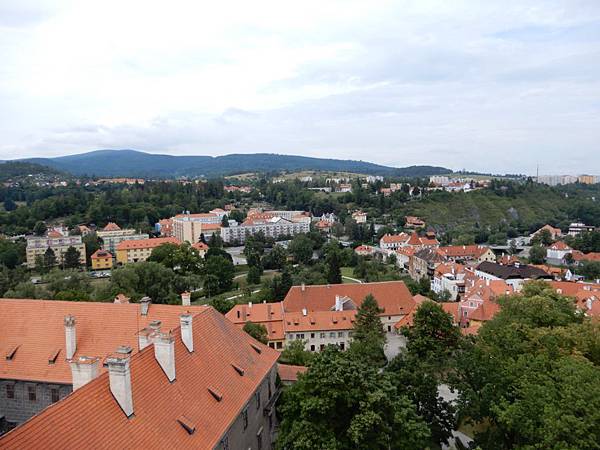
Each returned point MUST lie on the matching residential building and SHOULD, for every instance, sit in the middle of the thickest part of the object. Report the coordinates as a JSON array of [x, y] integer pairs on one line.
[[201, 247], [577, 228], [58, 242], [449, 277], [205, 384], [48, 344], [414, 222], [587, 179], [555, 233], [189, 227], [164, 227], [101, 260], [112, 235], [359, 217], [468, 253], [393, 241], [344, 187], [514, 275], [364, 250], [140, 250], [271, 224], [288, 374], [558, 251], [580, 257], [423, 263], [270, 315], [403, 255], [586, 296], [318, 329]]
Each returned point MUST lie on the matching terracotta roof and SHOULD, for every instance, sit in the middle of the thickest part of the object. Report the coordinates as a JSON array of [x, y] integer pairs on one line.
[[197, 215], [451, 268], [570, 288], [463, 251], [101, 254], [488, 289], [37, 327], [290, 373], [364, 249], [509, 260], [579, 256], [553, 231], [111, 226], [200, 246], [486, 311], [408, 251], [393, 296], [257, 313], [54, 234], [90, 416], [451, 308], [559, 245], [211, 226], [319, 321], [146, 243], [394, 238]]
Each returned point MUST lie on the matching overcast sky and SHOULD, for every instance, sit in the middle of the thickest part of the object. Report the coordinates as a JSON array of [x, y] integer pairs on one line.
[[485, 85]]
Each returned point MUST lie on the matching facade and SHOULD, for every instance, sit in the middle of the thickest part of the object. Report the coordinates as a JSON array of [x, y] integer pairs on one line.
[[423, 263], [270, 224], [58, 242], [205, 384], [101, 260], [140, 250], [359, 217], [393, 241], [558, 251], [112, 235], [577, 228], [189, 227], [449, 277], [468, 253], [40, 343]]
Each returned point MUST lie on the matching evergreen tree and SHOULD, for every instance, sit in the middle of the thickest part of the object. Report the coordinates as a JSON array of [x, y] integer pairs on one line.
[[368, 333], [49, 258], [40, 228], [253, 276], [71, 258], [332, 262]]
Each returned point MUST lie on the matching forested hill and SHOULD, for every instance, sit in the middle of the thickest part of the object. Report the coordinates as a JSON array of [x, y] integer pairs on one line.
[[16, 169], [131, 163]]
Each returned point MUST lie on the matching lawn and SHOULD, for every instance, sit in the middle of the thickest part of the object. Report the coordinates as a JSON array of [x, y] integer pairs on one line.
[[348, 272]]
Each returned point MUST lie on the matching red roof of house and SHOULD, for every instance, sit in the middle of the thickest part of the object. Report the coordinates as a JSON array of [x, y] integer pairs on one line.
[[394, 238], [90, 416], [364, 249], [36, 327], [463, 251], [393, 296], [200, 246], [146, 243], [560, 245], [268, 314], [54, 234], [319, 321], [101, 254], [580, 256], [111, 226], [486, 311], [290, 373]]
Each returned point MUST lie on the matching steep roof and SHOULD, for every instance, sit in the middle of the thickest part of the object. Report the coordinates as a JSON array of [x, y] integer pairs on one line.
[[100, 254], [394, 238], [111, 226], [486, 311], [393, 296], [256, 312], [90, 416], [200, 246], [36, 327], [319, 321], [146, 243], [463, 251], [521, 271], [559, 245], [290, 373]]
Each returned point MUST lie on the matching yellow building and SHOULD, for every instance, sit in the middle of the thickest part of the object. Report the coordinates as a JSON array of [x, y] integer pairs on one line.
[[140, 250], [101, 260], [588, 179]]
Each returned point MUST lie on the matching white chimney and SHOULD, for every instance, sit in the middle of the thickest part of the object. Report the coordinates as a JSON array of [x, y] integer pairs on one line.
[[70, 336], [249, 304], [588, 303], [119, 374], [338, 303], [164, 352], [304, 312], [187, 335], [186, 298], [83, 370], [145, 305], [303, 287], [144, 338]]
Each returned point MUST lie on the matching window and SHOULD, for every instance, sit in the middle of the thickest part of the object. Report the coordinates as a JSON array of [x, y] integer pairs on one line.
[[332, 334], [350, 334], [257, 396], [342, 346], [10, 391], [312, 348], [312, 335], [31, 392], [340, 334], [54, 397], [322, 335], [280, 345], [245, 418]]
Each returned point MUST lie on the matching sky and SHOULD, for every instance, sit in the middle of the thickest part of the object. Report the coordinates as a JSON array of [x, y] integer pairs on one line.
[[494, 86]]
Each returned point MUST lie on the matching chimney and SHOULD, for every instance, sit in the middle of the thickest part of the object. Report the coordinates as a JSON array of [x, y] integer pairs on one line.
[[186, 298], [303, 287], [70, 336], [119, 375], [588, 303], [144, 338], [145, 305], [164, 352], [187, 335], [304, 312], [83, 370], [249, 304], [338, 303]]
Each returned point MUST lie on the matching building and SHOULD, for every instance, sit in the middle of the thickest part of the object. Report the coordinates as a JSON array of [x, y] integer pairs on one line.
[[587, 179], [467, 253], [423, 263], [164, 227], [414, 222], [140, 250], [364, 250], [359, 217], [58, 242], [558, 251], [189, 227], [271, 224], [555, 233], [205, 384], [449, 277], [319, 329], [101, 260], [288, 374], [514, 275], [577, 228], [201, 247], [393, 241], [42, 337], [112, 235], [270, 315]]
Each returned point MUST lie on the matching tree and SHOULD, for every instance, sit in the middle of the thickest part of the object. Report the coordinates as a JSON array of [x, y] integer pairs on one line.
[[253, 276], [280, 286], [9, 204], [333, 270], [341, 402], [147, 278], [368, 334], [71, 258], [219, 273], [225, 222], [590, 270], [295, 354], [49, 258], [183, 259], [40, 228], [301, 247], [537, 254], [543, 238], [276, 258], [257, 331], [92, 243]]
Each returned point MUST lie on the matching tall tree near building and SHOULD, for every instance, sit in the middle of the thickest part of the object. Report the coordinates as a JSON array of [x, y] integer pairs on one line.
[[368, 334], [301, 248], [332, 264], [40, 228], [49, 258], [537, 254], [71, 258]]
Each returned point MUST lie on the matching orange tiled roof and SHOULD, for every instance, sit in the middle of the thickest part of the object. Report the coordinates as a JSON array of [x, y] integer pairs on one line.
[[486, 311], [37, 328], [290, 373], [197, 215], [559, 245], [111, 226], [146, 243], [453, 268], [580, 256], [200, 246], [54, 234], [463, 251], [257, 313], [90, 416], [364, 249], [319, 321], [101, 254], [394, 238], [451, 308], [393, 296]]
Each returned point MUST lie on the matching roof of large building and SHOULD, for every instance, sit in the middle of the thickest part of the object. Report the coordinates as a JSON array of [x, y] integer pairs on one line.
[[319, 321], [256, 312], [35, 328], [463, 251], [484, 312], [290, 373], [111, 226], [394, 238], [559, 245], [393, 296], [517, 271], [178, 414], [146, 243]]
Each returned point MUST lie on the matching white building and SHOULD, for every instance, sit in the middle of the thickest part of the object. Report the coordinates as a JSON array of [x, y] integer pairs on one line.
[[270, 225]]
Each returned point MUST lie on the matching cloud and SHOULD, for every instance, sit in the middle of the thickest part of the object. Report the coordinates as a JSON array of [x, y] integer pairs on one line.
[[494, 86]]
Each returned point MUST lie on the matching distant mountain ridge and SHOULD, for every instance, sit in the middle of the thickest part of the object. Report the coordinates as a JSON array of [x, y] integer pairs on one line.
[[133, 163]]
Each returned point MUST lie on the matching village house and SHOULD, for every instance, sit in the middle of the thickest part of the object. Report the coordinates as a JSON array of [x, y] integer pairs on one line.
[[467, 254], [576, 228], [112, 235], [201, 247], [203, 384], [449, 277], [555, 233], [414, 222], [140, 250], [101, 260], [423, 263], [558, 251], [364, 250], [359, 217]]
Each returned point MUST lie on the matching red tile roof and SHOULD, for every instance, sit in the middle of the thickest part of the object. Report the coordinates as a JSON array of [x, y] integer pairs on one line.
[[319, 321], [560, 245], [146, 243], [200, 246], [268, 314], [90, 416], [394, 238], [290, 373], [393, 296], [101, 254], [54, 234], [486, 311], [37, 328], [111, 226], [463, 251]]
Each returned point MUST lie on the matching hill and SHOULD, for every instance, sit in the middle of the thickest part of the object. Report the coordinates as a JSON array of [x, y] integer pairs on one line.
[[132, 163], [10, 170]]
